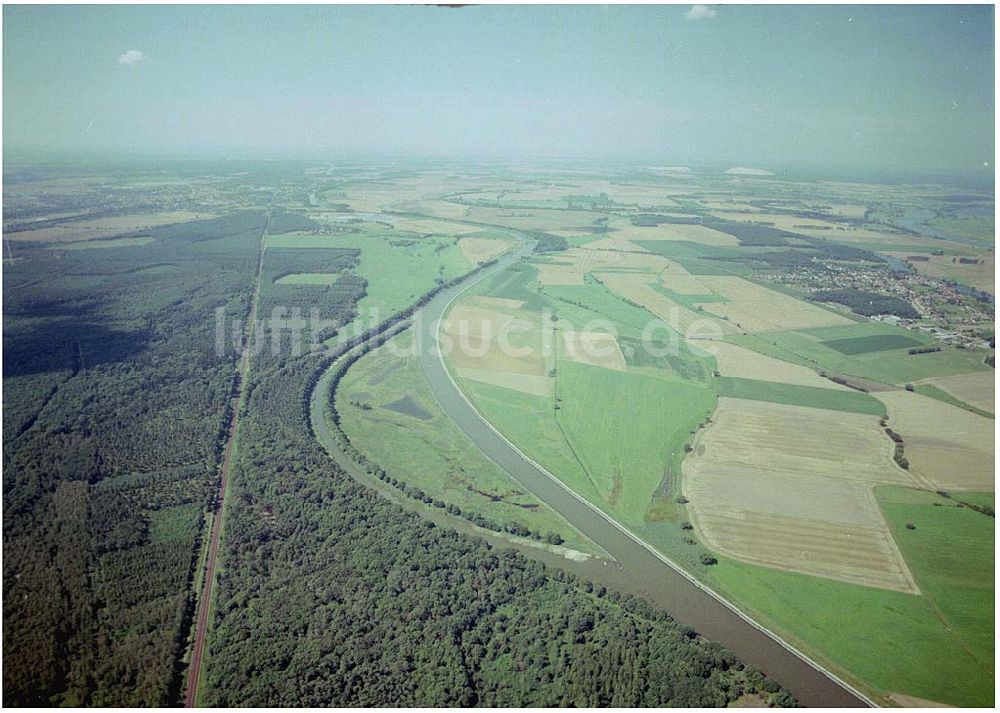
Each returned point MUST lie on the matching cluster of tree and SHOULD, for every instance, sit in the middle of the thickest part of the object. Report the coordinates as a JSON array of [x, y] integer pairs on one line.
[[328, 593], [897, 455], [115, 401], [751, 234], [547, 242], [867, 303], [984, 509], [844, 382], [923, 350], [332, 595], [293, 317], [283, 221], [601, 201]]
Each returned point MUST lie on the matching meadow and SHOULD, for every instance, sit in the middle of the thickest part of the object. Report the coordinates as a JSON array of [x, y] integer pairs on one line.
[[892, 642], [894, 366], [398, 267], [828, 572], [389, 413], [797, 395]]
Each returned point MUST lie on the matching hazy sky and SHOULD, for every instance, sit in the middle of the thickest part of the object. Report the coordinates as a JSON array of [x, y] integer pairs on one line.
[[900, 87]]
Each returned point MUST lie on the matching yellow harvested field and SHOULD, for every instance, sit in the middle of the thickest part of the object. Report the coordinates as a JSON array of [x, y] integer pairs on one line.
[[478, 322], [691, 324], [437, 227], [559, 275], [800, 439], [755, 308], [675, 278], [645, 261], [501, 302], [594, 348], [624, 230], [477, 250], [532, 218], [865, 556], [981, 276], [609, 243], [684, 284], [913, 702], [105, 227], [772, 484], [569, 267], [525, 383], [694, 233], [727, 206], [439, 208], [471, 352], [745, 363], [975, 389], [947, 446], [488, 339]]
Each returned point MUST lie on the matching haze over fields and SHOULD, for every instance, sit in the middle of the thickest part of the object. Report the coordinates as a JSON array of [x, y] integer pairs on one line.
[[892, 89], [412, 356]]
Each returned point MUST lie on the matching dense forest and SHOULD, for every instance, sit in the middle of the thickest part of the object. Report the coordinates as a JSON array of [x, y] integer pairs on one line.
[[331, 595], [867, 303], [115, 399], [117, 392]]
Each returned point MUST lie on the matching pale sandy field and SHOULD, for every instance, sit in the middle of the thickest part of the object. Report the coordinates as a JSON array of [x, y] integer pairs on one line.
[[477, 250], [624, 230], [947, 446], [594, 348], [976, 389], [773, 485], [980, 276], [500, 345], [438, 227], [745, 363], [689, 323], [758, 309]]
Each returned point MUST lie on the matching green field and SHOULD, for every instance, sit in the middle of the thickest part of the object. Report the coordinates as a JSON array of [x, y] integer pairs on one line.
[[938, 646], [951, 554], [872, 343], [397, 274], [942, 395], [390, 415], [807, 347], [975, 227], [612, 436], [528, 422], [811, 396], [617, 438], [308, 278], [628, 430]]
